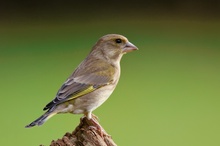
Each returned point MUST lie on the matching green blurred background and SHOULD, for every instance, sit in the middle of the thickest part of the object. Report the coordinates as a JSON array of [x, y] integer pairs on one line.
[[168, 94]]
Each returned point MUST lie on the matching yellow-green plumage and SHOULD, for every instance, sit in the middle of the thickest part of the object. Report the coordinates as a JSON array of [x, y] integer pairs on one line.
[[86, 91], [92, 82]]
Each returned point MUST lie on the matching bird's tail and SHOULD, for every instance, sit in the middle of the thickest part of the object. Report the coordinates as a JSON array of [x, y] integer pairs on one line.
[[41, 119]]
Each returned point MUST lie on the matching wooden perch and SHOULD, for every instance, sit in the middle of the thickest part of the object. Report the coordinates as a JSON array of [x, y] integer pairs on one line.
[[85, 134]]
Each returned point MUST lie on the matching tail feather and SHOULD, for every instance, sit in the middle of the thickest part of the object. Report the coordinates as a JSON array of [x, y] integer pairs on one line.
[[41, 119]]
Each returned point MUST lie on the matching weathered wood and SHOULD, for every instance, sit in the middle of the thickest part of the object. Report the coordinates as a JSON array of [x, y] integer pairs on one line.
[[85, 134]]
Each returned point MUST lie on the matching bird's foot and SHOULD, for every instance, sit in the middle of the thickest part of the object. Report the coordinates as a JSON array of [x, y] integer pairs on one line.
[[95, 117], [96, 126]]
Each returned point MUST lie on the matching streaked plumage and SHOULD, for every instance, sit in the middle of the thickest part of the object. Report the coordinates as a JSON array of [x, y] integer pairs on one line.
[[92, 82]]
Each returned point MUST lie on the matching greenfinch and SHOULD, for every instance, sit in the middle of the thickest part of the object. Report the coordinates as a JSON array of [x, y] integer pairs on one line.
[[92, 82]]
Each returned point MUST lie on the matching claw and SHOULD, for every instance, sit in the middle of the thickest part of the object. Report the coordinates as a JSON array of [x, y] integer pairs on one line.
[[96, 126]]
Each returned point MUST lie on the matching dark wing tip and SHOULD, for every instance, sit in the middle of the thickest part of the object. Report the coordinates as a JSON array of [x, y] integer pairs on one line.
[[45, 108], [49, 105], [30, 125]]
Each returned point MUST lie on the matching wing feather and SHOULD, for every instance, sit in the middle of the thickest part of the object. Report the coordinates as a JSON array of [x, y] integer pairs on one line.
[[79, 85]]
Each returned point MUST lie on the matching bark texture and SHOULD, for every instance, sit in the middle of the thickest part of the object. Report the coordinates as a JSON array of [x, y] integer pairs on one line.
[[85, 134]]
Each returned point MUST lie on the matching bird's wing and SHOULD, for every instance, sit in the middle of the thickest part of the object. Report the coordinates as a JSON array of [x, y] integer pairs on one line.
[[78, 86]]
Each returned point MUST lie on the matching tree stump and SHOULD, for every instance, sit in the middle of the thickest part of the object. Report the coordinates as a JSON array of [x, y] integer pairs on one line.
[[85, 134]]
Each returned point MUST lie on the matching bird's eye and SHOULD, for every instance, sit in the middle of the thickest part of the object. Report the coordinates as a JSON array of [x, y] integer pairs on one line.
[[118, 41]]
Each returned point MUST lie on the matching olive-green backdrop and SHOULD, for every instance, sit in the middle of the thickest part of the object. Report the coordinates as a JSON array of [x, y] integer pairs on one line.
[[168, 93]]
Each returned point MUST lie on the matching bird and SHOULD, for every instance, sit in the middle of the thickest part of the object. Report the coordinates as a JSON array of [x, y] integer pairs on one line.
[[92, 82]]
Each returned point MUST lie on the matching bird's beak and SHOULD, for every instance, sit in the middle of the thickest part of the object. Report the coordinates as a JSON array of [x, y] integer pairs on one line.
[[129, 47]]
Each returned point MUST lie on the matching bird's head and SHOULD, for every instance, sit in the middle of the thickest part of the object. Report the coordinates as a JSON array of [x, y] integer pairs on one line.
[[113, 46]]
